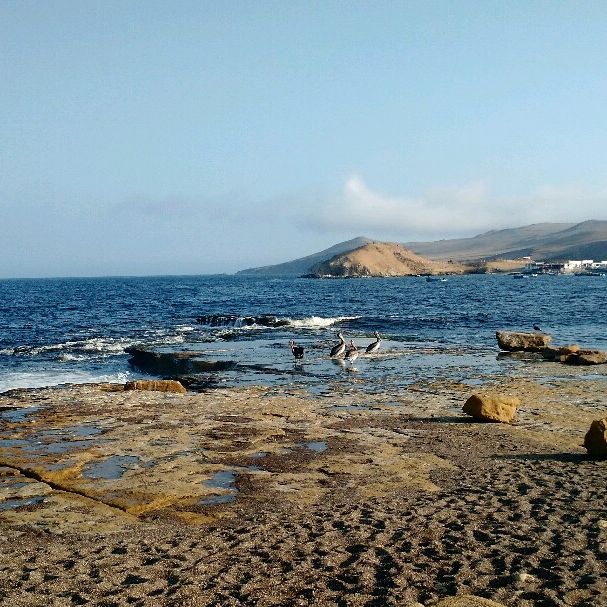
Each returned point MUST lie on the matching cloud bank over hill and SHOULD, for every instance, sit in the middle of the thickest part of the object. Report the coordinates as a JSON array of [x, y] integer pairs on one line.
[[453, 211]]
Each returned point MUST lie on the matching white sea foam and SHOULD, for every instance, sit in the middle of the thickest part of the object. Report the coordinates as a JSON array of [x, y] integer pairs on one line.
[[317, 322], [41, 379]]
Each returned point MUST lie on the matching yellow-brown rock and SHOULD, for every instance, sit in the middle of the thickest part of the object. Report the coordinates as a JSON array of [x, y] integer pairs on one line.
[[569, 349], [492, 407], [595, 440], [513, 341], [156, 385]]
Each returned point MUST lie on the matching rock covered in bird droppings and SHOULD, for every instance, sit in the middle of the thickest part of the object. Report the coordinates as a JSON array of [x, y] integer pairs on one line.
[[158, 385], [492, 407], [595, 440], [522, 342]]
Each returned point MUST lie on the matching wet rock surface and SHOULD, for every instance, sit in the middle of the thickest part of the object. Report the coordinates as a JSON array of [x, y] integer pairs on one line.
[[158, 385], [512, 341], [265, 496]]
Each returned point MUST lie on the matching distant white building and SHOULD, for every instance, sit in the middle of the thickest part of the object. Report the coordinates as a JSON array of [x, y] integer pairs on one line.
[[572, 265], [582, 265]]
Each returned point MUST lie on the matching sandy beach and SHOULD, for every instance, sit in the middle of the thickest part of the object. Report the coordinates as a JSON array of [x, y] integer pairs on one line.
[[264, 496]]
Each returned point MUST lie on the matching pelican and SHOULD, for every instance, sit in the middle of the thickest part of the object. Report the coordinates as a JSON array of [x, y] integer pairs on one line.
[[374, 346], [352, 352], [340, 348], [298, 351]]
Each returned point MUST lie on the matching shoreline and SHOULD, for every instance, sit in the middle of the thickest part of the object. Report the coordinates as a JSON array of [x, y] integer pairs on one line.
[[272, 496]]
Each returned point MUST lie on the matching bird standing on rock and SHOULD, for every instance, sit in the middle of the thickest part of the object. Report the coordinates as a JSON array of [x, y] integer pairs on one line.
[[340, 348], [298, 351], [374, 346]]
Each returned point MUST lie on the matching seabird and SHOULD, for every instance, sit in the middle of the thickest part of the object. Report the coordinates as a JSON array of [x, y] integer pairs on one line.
[[374, 346], [352, 352], [340, 348], [536, 328], [298, 351]]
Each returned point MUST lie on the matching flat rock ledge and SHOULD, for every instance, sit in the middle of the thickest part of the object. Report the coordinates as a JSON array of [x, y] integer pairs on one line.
[[492, 407], [522, 342], [595, 440]]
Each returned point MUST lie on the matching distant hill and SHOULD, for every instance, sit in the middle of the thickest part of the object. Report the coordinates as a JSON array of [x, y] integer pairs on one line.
[[382, 259], [541, 241], [300, 266]]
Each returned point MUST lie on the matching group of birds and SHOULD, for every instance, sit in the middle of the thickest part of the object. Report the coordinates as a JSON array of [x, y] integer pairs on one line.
[[349, 352]]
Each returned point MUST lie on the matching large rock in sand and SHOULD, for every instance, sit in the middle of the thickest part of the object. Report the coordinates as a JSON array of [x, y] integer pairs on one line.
[[595, 440], [492, 407], [157, 385], [522, 342]]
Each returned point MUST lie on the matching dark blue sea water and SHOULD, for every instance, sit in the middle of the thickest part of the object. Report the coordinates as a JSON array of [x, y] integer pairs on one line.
[[56, 331]]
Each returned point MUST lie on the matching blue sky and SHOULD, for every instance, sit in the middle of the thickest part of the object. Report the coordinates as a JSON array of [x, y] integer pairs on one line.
[[198, 137]]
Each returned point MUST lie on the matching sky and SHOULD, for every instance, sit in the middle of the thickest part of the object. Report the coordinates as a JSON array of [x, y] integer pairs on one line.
[[148, 137]]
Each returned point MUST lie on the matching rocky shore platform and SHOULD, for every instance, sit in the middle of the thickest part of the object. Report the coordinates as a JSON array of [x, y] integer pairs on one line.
[[270, 496]]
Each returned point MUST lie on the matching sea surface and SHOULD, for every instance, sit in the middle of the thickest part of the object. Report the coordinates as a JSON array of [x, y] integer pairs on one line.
[[55, 331]]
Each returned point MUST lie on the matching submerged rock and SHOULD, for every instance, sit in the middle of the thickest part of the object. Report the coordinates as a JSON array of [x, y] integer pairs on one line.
[[522, 342], [492, 407], [158, 385], [595, 440]]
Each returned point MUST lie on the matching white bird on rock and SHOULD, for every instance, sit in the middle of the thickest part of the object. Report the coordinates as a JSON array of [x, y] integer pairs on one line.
[[374, 346]]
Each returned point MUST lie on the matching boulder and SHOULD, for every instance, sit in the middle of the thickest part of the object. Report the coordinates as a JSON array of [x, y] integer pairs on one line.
[[595, 440], [492, 407], [157, 385], [466, 600], [525, 342], [570, 349], [586, 357]]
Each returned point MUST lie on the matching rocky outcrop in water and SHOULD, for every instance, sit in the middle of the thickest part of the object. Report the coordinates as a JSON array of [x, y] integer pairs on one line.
[[492, 407], [595, 440], [522, 342], [574, 355], [174, 363]]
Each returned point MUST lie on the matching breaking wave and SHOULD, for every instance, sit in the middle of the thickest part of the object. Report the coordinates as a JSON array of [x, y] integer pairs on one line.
[[270, 321]]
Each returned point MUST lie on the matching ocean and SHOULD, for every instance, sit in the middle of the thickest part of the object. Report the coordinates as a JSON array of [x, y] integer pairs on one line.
[[75, 330]]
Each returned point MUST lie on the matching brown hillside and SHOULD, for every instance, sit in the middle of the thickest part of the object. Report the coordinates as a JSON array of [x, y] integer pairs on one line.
[[383, 259]]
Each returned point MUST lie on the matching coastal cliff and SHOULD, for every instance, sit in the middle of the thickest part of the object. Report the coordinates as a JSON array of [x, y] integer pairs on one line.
[[382, 259]]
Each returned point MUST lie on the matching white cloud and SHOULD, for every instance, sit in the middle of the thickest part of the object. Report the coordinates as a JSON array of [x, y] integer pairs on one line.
[[453, 211]]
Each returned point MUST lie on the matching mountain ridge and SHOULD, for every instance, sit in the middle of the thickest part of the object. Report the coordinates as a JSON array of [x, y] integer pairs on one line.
[[542, 241]]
